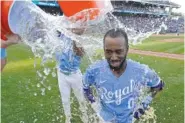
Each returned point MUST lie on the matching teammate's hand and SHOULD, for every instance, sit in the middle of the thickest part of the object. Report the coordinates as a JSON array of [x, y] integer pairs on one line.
[[13, 39], [88, 95]]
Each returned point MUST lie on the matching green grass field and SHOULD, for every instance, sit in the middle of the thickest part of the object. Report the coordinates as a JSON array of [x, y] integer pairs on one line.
[[154, 43], [26, 99]]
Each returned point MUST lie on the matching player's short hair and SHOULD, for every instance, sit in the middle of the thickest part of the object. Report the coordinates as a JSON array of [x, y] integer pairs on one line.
[[117, 32]]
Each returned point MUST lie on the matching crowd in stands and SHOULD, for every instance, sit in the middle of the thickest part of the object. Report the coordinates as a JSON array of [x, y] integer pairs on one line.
[[140, 24], [148, 23], [175, 25]]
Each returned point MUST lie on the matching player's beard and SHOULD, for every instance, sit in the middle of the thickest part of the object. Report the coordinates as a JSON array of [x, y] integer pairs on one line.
[[120, 66]]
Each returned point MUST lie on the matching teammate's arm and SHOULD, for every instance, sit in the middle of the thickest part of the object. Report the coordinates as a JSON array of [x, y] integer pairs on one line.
[[88, 81]]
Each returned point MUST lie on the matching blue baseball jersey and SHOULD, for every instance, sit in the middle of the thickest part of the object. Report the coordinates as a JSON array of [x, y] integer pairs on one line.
[[117, 94], [68, 61], [3, 53]]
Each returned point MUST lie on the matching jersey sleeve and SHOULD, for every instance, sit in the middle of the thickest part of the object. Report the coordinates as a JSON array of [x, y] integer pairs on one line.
[[89, 78], [152, 78]]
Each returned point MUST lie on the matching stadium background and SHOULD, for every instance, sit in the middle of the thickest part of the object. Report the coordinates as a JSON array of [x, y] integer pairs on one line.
[[133, 13], [28, 95]]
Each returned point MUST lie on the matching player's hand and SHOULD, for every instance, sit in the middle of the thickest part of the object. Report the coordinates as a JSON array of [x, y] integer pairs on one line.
[[13, 38], [138, 113], [78, 31], [144, 106], [88, 95]]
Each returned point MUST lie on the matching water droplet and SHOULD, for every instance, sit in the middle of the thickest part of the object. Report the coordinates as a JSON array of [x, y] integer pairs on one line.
[[53, 74], [49, 88], [43, 91], [46, 71], [38, 85], [35, 94], [35, 120], [39, 74]]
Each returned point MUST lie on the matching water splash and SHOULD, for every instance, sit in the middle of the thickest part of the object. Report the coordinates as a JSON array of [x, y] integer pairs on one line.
[[40, 33]]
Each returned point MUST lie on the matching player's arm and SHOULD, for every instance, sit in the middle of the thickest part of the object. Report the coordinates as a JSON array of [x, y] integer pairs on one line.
[[79, 51], [156, 85], [88, 81], [159, 87], [11, 39]]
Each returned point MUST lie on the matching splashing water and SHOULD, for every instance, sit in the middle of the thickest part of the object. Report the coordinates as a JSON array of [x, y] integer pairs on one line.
[[149, 115], [40, 33]]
